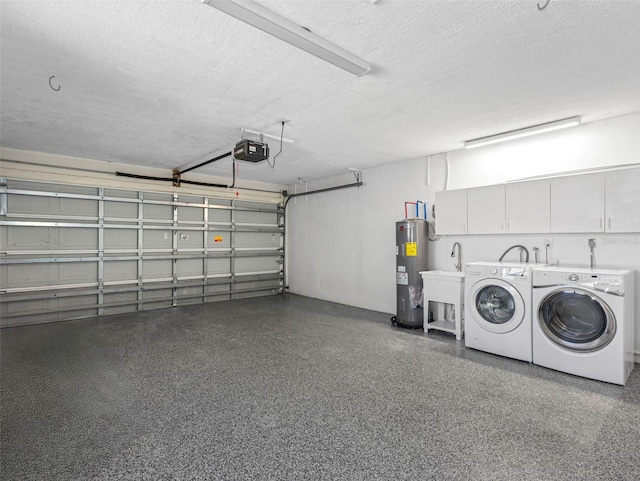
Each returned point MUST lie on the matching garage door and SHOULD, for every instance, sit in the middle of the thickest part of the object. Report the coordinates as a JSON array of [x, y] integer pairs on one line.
[[70, 251]]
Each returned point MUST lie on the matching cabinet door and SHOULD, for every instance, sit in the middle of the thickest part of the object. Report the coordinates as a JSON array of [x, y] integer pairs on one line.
[[451, 212], [577, 203], [622, 200], [486, 209], [528, 205]]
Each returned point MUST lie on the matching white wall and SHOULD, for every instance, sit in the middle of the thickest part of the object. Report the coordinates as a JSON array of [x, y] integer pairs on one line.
[[341, 245]]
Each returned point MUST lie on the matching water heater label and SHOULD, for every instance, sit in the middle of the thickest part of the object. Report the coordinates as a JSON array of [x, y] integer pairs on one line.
[[412, 249], [402, 269], [402, 278]]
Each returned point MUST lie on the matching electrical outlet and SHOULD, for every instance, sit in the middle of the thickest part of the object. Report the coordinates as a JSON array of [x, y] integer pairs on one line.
[[548, 242]]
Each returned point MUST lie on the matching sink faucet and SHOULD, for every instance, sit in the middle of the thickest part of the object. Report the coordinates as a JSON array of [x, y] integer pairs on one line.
[[457, 250], [522, 249]]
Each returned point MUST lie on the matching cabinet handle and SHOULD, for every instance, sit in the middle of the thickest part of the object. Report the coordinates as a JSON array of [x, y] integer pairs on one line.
[[609, 222]]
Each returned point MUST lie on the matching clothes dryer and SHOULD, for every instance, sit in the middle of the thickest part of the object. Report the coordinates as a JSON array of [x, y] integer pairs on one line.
[[584, 322], [498, 308]]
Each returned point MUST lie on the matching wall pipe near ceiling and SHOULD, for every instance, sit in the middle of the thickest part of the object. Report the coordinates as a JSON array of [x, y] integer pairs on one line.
[[358, 184], [328, 189]]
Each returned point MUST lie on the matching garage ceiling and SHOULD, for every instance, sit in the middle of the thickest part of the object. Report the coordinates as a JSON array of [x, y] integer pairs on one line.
[[167, 84]]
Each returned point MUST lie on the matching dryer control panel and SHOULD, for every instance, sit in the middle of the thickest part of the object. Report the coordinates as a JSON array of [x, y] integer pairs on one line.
[[604, 282]]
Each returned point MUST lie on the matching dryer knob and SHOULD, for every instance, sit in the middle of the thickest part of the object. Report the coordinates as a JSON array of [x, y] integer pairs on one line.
[[493, 271], [574, 278]]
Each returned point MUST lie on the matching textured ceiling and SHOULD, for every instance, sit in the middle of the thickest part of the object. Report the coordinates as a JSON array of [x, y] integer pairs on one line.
[[169, 83]]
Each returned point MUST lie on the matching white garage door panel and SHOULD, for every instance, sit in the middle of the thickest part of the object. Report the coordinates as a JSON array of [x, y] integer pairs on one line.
[[220, 216], [25, 238], [157, 212], [257, 264], [157, 239], [29, 306], [79, 207], [157, 299], [218, 266], [189, 295], [88, 251], [120, 210], [28, 275], [120, 271], [77, 273], [191, 214], [120, 239], [79, 239], [190, 267], [257, 217], [257, 240], [127, 300], [157, 269], [217, 289], [23, 204], [79, 301]]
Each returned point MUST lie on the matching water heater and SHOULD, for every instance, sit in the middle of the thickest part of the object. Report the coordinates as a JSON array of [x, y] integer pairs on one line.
[[411, 259]]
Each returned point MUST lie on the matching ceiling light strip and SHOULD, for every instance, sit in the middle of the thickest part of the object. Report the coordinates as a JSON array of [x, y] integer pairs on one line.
[[516, 134], [264, 19]]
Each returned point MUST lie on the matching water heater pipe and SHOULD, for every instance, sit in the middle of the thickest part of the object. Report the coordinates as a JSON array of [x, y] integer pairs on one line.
[[406, 214]]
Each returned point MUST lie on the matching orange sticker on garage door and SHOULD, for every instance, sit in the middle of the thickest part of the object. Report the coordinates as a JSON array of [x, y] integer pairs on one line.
[[217, 238]]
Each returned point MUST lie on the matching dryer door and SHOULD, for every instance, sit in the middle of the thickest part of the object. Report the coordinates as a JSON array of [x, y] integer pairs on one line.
[[576, 319], [496, 306]]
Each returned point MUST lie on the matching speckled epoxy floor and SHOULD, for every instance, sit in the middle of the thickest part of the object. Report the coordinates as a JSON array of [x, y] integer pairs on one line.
[[295, 389]]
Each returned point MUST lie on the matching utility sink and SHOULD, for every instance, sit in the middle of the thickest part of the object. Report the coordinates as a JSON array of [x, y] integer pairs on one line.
[[445, 276], [445, 287]]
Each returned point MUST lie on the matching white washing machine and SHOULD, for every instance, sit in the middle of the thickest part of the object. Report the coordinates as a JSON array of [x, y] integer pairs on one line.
[[583, 322], [498, 308]]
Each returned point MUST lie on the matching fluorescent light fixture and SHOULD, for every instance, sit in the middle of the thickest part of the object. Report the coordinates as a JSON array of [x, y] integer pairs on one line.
[[516, 134], [264, 19]]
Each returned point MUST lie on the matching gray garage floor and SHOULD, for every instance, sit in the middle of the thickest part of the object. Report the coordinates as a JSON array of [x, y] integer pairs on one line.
[[294, 389]]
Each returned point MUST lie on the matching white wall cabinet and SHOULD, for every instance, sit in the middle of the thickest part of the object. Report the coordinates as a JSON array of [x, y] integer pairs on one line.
[[528, 207], [451, 212], [577, 203], [622, 200], [599, 202], [486, 210]]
